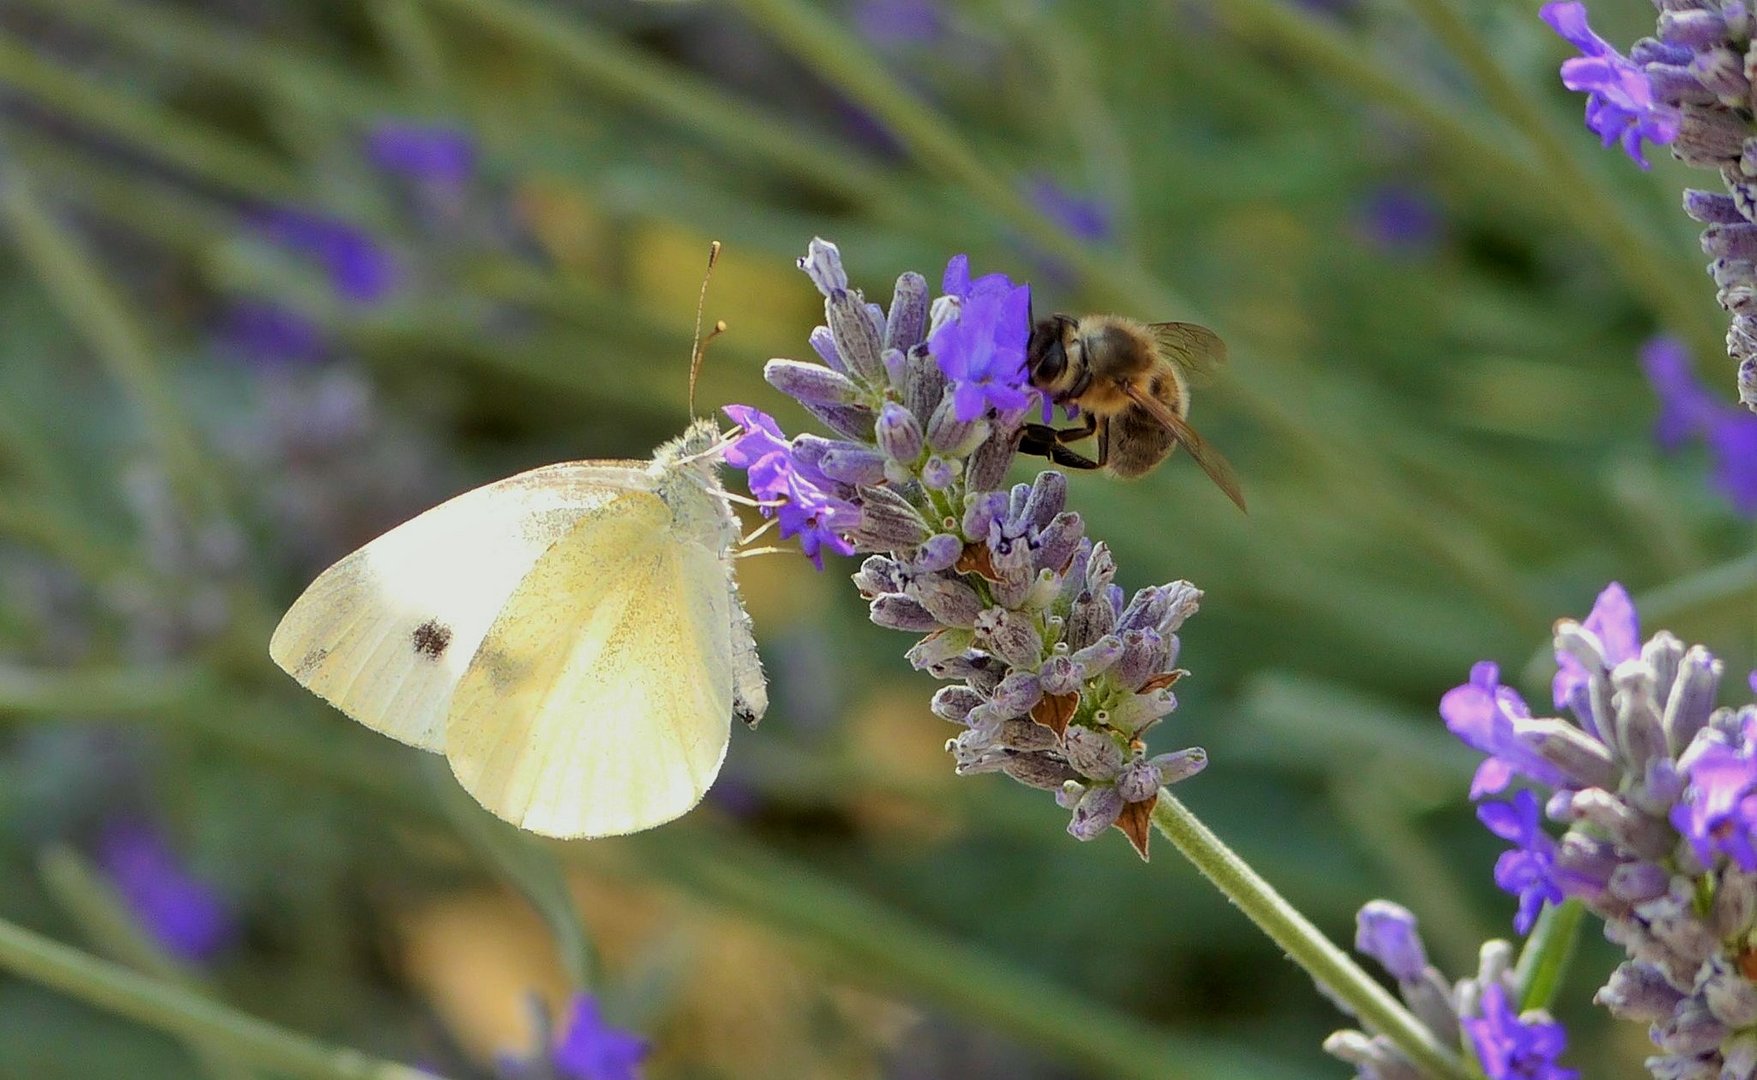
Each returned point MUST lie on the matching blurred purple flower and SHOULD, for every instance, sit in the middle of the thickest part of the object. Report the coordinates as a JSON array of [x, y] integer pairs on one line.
[[1400, 220], [1509, 1048], [184, 914], [982, 349], [589, 1049], [430, 153], [899, 22], [264, 333], [1617, 625], [808, 507], [1486, 716], [1083, 217], [1687, 408], [1529, 870], [1621, 106], [360, 269]]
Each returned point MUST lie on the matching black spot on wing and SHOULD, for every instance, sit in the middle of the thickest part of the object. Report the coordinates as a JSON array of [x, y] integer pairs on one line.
[[431, 638], [742, 710]]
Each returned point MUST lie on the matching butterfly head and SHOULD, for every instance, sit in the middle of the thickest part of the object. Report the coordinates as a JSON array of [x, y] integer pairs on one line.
[[686, 471]]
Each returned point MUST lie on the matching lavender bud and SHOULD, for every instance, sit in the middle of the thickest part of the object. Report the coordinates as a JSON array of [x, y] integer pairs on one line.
[[1089, 620], [1584, 759], [888, 521], [1639, 882], [1015, 585], [1091, 753], [877, 574], [1045, 587], [850, 463], [987, 465], [1179, 765], [954, 703], [981, 512], [811, 383], [1738, 1056], [1695, 29], [937, 473], [1372, 1057], [1098, 656], [1136, 713], [906, 326], [856, 338], [824, 344], [1588, 864], [1733, 242], [1100, 570], [1709, 136], [924, 386], [1648, 837], [1722, 72], [936, 553], [1028, 737], [1692, 697], [1674, 83], [1016, 498], [1429, 997], [1009, 552], [1042, 771], [1712, 208], [1096, 811], [1137, 782], [950, 601], [1010, 636], [897, 612], [822, 263], [896, 369], [1060, 675], [1640, 732], [1047, 495], [899, 433], [1058, 541], [942, 654], [1638, 992], [1729, 996], [1691, 1029], [1663, 653], [1748, 383], [1145, 611], [1386, 932], [952, 436], [1141, 659], [1016, 695], [1735, 906], [1494, 963], [854, 421], [1181, 601]]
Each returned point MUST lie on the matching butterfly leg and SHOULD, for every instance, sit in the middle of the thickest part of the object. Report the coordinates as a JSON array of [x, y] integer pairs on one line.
[[1041, 440]]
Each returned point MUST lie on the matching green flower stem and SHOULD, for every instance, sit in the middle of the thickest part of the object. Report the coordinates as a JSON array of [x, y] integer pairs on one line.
[[185, 1014], [93, 903], [173, 140], [684, 98], [1543, 963], [1675, 285], [1304, 944]]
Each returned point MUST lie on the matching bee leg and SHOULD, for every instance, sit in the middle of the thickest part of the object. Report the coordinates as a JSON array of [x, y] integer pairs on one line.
[[1041, 440], [1103, 441]]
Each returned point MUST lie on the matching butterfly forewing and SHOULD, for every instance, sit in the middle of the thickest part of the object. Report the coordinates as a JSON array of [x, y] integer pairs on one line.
[[385, 634], [1196, 350], [600, 700]]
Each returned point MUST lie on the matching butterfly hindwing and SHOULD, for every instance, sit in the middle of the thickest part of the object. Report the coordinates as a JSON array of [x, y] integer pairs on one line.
[[386, 633], [600, 700]]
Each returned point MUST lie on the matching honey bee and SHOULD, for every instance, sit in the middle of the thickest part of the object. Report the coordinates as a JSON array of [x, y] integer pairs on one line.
[[1131, 383]]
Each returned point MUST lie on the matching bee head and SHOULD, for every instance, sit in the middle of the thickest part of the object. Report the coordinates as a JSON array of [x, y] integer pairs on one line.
[[1046, 354]]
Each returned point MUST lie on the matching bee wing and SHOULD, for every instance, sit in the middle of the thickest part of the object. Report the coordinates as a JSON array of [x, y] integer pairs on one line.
[[1196, 350], [1211, 460]]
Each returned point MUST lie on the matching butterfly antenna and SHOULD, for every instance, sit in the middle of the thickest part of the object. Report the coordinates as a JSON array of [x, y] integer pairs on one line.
[[700, 346]]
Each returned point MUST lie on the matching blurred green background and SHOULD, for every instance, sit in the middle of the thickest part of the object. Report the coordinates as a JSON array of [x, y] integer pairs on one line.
[[239, 337]]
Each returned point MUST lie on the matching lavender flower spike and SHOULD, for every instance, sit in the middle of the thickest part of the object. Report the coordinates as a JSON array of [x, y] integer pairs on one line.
[[1659, 841], [1016, 606]]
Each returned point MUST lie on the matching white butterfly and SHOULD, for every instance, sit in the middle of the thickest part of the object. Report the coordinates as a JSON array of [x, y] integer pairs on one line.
[[570, 638]]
